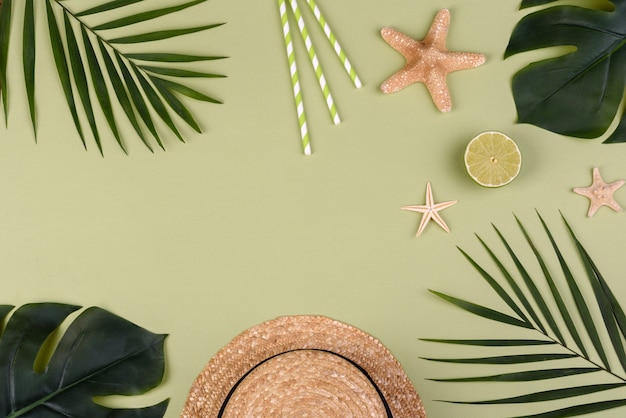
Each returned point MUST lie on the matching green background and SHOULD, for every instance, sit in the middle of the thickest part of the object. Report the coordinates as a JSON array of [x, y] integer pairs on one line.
[[237, 226]]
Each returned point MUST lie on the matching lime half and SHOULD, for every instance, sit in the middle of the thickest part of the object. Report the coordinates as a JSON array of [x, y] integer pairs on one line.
[[492, 159]]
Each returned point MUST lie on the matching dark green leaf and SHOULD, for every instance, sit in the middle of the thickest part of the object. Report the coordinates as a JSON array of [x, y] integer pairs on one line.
[[4, 311], [539, 300], [62, 68], [188, 91], [483, 311], [100, 86], [176, 105], [618, 312], [120, 92], [495, 286], [579, 301], [28, 58], [578, 93], [527, 376], [516, 289], [176, 72], [531, 3], [80, 78], [614, 323], [169, 57], [100, 354], [491, 343], [510, 359], [556, 294], [145, 16], [137, 99], [573, 411], [603, 301], [159, 35], [548, 395], [156, 103], [112, 5], [5, 38]]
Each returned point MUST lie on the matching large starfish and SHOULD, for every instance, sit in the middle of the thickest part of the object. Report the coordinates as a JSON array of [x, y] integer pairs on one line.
[[430, 211], [428, 61], [600, 193]]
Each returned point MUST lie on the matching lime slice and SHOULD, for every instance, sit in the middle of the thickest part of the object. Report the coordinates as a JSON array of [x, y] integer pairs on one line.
[[492, 159]]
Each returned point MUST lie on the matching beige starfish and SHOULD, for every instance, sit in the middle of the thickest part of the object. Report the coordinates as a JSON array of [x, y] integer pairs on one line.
[[600, 193], [428, 61], [430, 211]]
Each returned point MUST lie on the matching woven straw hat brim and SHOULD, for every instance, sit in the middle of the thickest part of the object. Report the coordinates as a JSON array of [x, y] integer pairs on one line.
[[239, 375]]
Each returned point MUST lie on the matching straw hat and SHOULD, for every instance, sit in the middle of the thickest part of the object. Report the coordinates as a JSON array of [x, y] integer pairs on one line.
[[303, 366]]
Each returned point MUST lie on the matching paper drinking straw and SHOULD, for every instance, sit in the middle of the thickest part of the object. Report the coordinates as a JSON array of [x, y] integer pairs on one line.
[[335, 43], [293, 69], [316, 63]]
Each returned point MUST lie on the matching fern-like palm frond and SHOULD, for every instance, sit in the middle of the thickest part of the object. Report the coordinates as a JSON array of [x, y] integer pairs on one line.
[[97, 74], [570, 321]]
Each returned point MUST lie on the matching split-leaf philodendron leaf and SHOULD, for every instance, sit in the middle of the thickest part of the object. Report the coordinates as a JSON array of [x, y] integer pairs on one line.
[[98, 355], [576, 94]]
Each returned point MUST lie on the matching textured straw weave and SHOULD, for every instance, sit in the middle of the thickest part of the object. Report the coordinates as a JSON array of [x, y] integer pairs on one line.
[[303, 366]]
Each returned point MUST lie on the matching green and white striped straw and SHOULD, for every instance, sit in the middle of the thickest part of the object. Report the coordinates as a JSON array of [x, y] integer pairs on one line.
[[317, 67], [335, 43], [293, 69]]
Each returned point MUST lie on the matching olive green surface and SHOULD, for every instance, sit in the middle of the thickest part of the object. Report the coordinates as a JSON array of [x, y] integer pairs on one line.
[[237, 226]]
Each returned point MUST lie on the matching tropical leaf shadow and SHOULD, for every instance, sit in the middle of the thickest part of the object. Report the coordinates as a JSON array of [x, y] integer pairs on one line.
[[574, 334], [96, 72]]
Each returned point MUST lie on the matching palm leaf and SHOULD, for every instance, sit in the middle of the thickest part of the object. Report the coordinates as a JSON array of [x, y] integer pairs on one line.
[[63, 70], [169, 57], [577, 313], [98, 76], [144, 16], [5, 36], [28, 58]]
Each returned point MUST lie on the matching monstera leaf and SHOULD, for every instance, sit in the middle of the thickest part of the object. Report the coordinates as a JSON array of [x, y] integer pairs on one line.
[[578, 93], [100, 354], [94, 68], [562, 332]]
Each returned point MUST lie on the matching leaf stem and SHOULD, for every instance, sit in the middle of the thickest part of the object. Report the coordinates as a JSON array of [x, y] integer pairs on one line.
[[98, 36], [579, 355]]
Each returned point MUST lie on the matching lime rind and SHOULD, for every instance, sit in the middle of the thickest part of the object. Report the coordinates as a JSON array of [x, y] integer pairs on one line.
[[492, 159]]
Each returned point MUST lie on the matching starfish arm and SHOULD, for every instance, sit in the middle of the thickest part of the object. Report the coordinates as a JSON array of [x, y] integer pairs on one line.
[[593, 208], [401, 79], [616, 185], [425, 218], [456, 61], [439, 30], [597, 178], [613, 205], [583, 191], [438, 90], [444, 205], [400, 42], [437, 218], [429, 195], [415, 208]]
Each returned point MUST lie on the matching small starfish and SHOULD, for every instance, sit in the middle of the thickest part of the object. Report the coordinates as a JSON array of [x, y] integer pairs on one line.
[[428, 61], [430, 211], [600, 193]]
